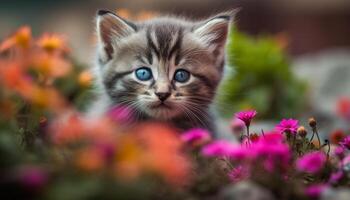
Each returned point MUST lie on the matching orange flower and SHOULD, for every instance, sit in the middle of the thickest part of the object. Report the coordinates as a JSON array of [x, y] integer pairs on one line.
[[85, 78], [67, 129], [129, 163], [145, 15], [13, 78], [48, 98], [51, 65], [90, 159], [282, 40], [52, 42], [124, 13], [163, 153], [22, 38], [71, 128], [7, 109]]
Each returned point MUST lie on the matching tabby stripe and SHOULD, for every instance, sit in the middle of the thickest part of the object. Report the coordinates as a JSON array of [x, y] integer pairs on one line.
[[151, 45], [176, 47], [110, 82], [205, 80]]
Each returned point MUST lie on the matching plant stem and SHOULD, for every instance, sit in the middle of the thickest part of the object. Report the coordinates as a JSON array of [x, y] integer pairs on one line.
[[329, 149], [248, 135], [318, 138], [294, 138], [312, 137]]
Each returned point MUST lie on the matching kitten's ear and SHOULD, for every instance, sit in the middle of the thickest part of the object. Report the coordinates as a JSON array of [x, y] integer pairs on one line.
[[213, 31], [111, 28]]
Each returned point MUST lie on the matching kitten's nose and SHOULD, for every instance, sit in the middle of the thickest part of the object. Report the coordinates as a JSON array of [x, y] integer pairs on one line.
[[163, 95]]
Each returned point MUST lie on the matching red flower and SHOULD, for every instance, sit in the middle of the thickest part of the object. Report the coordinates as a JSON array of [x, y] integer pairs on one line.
[[343, 107], [337, 136]]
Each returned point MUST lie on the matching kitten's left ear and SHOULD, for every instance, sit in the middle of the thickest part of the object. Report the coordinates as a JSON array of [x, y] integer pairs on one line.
[[213, 32], [110, 29]]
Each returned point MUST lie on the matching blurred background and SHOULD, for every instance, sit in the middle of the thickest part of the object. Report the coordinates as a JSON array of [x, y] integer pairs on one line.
[[290, 58]]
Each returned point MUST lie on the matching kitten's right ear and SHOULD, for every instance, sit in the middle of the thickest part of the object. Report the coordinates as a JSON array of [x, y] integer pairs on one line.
[[110, 29]]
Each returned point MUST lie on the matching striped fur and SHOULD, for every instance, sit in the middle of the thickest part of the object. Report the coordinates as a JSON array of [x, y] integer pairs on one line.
[[164, 45]]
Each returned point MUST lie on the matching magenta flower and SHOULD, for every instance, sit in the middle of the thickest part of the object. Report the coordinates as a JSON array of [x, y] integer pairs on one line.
[[311, 162], [345, 142], [33, 177], [246, 116], [288, 126], [336, 177], [120, 114], [238, 173], [196, 136], [237, 126], [272, 152], [339, 152], [315, 191], [219, 148], [346, 162]]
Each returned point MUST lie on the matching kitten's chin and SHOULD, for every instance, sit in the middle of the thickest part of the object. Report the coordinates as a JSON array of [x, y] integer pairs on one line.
[[162, 112]]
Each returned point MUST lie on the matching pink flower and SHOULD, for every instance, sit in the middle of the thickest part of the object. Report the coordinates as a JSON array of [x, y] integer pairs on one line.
[[339, 152], [246, 116], [273, 138], [273, 152], [33, 177], [345, 142], [288, 126], [238, 173], [196, 136], [336, 177], [219, 148], [315, 191], [237, 126], [311, 162], [120, 114], [346, 163]]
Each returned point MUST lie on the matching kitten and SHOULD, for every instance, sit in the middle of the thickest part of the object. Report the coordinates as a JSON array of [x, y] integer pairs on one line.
[[164, 69]]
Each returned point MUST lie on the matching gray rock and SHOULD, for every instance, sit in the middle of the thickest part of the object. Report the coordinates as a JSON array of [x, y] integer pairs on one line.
[[328, 76], [336, 194], [246, 191]]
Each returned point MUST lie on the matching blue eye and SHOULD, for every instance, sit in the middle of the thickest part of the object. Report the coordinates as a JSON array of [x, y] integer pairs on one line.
[[181, 76], [143, 74]]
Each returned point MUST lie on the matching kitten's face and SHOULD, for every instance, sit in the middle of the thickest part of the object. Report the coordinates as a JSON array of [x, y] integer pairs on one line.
[[162, 68]]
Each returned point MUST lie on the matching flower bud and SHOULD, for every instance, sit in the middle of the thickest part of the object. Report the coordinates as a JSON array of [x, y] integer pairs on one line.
[[254, 137], [302, 131], [312, 122]]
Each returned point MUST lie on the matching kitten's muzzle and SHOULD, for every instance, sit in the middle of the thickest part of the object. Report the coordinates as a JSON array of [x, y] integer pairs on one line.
[[163, 95]]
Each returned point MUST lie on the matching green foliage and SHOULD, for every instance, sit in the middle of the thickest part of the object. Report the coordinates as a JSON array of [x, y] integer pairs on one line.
[[260, 78]]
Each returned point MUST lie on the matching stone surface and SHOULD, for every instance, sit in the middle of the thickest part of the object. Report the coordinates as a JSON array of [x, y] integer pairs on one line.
[[328, 76], [246, 191], [336, 194]]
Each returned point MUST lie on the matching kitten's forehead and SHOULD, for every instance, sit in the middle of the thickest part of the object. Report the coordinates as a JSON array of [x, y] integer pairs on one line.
[[164, 38]]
